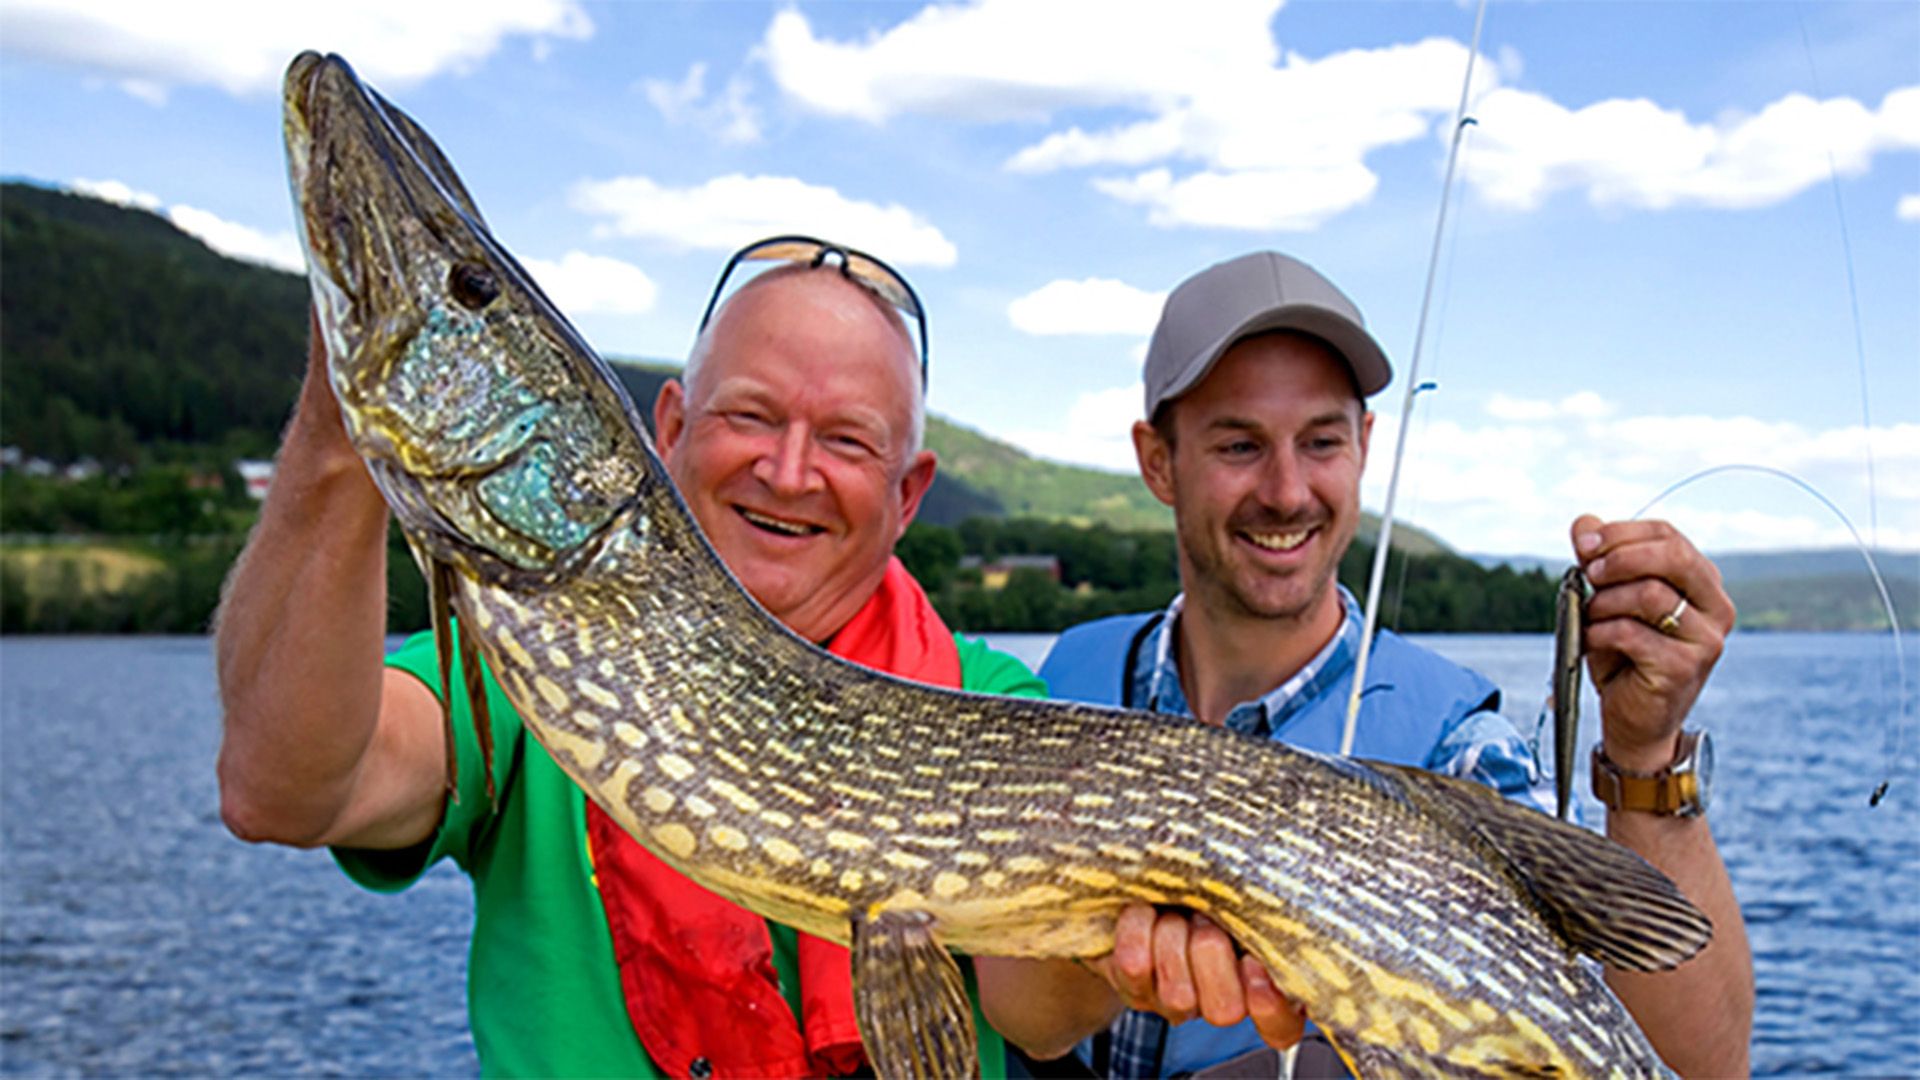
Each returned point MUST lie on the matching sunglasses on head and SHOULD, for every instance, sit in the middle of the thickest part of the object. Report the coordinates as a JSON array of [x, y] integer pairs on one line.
[[856, 266]]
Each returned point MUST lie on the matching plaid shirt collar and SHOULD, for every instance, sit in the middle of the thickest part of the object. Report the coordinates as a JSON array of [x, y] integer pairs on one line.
[[1156, 686]]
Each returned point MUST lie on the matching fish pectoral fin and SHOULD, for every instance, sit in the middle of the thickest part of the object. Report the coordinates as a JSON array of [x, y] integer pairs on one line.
[[440, 586], [477, 708], [1600, 897], [910, 1000]]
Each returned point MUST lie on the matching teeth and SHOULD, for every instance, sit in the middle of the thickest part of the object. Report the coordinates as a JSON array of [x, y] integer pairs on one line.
[[788, 527], [1279, 541]]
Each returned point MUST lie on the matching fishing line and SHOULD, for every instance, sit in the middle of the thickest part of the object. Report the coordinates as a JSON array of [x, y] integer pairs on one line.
[[1426, 415], [1853, 290], [1896, 738], [1378, 574]]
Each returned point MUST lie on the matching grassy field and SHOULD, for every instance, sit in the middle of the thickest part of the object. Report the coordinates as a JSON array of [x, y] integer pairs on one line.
[[91, 568]]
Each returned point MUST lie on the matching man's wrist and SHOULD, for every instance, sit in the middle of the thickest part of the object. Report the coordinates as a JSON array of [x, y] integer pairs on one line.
[[1679, 788], [1642, 756]]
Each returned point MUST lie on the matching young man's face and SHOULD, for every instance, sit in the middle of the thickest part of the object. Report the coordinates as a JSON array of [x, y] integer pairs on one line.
[[794, 446], [1263, 474]]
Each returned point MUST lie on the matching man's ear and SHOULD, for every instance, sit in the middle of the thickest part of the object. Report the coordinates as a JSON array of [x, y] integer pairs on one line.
[[669, 417], [913, 488], [1156, 460]]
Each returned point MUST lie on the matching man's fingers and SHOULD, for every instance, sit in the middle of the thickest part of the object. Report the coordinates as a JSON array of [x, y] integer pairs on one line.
[[1624, 553], [1172, 976], [1216, 973], [1280, 1023], [1131, 968]]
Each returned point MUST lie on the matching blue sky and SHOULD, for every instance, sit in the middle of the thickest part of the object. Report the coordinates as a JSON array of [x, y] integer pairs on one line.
[[1645, 274]]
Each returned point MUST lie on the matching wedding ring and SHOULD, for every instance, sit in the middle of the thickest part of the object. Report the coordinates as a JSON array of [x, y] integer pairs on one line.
[[1669, 623]]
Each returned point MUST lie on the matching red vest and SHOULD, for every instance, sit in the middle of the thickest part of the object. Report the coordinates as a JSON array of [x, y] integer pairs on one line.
[[697, 972]]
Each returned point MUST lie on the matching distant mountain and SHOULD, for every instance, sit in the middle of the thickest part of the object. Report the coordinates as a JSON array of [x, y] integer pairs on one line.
[[1744, 566], [1814, 589], [1828, 589], [1521, 563]]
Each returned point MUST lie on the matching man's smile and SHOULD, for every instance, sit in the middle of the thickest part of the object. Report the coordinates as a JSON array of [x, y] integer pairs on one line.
[[780, 526], [1277, 541]]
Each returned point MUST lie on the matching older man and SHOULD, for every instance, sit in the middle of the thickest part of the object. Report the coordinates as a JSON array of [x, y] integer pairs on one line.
[[1256, 435], [795, 437]]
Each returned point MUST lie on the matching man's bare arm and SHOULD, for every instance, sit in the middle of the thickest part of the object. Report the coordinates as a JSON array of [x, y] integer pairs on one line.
[[321, 744], [1700, 1015]]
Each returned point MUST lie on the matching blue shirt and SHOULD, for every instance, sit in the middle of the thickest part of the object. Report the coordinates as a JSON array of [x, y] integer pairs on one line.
[[1483, 746]]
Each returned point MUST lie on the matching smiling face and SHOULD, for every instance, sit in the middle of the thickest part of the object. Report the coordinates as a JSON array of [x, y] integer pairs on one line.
[[794, 444], [1263, 472]]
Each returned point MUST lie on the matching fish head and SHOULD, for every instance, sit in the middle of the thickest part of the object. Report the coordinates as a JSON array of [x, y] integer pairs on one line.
[[500, 439]]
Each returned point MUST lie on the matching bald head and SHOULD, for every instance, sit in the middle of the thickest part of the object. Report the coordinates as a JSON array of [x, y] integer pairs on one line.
[[832, 305]]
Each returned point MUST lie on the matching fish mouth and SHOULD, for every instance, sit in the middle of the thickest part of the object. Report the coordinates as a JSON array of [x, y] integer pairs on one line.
[[778, 526]]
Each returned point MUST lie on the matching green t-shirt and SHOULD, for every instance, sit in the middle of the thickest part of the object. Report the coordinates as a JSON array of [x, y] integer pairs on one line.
[[543, 991]]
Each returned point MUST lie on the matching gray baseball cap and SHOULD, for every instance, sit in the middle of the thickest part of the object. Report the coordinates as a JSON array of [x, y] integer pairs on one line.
[[1207, 313]]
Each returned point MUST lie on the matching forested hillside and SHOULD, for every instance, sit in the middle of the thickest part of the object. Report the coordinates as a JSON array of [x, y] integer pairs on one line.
[[126, 341], [129, 344]]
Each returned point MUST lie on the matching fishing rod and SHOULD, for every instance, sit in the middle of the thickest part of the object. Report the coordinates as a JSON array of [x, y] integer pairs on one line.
[[1461, 121]]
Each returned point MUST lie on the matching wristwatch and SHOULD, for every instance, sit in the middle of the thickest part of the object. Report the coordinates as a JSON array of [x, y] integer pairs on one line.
[[1679, 790]]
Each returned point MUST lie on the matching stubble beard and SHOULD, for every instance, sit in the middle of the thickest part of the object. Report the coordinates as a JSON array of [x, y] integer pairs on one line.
[[1233, 587]]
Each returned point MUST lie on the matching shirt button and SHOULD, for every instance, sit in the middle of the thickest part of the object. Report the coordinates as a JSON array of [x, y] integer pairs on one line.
[[700, 1069]]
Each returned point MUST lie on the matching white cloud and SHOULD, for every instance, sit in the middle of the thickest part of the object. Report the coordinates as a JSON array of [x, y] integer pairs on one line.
[[1289, 200], [279, 250], [119, 194], [1640, 155], [1281, 140], [1087, 306], [594, 284], [1218, 127], [1512, 484], [1096, 431], [1003, 59], [243, 46], [729, 211], [1908, 209], [1585, 404], [729, 116]]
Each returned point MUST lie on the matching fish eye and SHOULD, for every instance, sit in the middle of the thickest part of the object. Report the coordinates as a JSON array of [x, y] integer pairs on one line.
[[473, 287]]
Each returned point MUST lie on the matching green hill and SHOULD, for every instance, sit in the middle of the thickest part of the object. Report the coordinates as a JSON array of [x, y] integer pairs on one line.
[[1827, 589], [123, 338], [126, 340]]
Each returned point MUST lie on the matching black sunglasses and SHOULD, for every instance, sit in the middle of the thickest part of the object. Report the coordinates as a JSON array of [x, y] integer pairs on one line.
[[856, 266]]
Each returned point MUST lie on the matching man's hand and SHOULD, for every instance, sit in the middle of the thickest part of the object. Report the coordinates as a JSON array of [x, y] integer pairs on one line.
[[1649, 654], [1183, 966]]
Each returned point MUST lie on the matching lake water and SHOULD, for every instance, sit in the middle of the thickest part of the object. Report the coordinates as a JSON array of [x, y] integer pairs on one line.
[[138, 938]]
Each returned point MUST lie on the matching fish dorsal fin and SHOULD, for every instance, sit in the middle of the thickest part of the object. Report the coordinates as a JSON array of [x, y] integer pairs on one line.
[[1601, 898], [910, 1000]]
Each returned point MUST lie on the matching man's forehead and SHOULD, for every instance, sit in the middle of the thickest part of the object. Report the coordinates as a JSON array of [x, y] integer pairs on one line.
[[1223, 396], [795, 284]]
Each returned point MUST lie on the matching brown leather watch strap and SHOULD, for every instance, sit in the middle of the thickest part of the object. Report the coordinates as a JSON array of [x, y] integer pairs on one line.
[[1664, 792]]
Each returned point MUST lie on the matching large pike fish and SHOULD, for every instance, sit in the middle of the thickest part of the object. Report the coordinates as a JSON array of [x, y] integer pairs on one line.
[[1425, 924]]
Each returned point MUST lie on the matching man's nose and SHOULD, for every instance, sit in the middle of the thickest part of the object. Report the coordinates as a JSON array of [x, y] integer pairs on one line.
[[787, 466], [1283, 483]]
